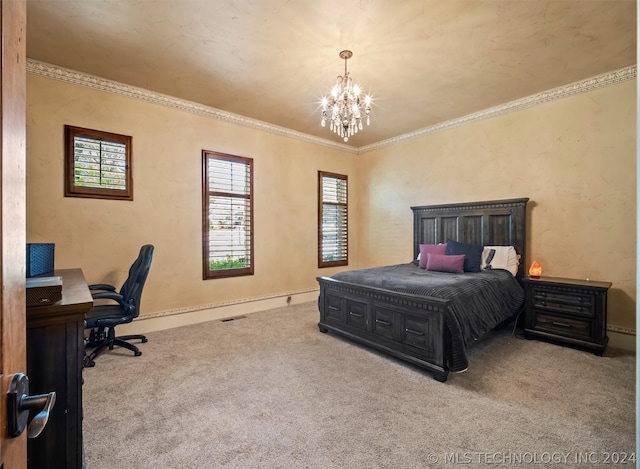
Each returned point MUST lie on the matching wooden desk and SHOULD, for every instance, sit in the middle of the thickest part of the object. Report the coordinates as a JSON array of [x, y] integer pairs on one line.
[[55, 351]]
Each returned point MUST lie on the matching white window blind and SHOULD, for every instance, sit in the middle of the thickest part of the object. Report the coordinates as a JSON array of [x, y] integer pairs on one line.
[[333, 220], [99, 164], [228, 225]]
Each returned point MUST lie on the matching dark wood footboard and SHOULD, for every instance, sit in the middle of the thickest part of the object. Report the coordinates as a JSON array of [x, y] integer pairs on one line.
[[407, 327]]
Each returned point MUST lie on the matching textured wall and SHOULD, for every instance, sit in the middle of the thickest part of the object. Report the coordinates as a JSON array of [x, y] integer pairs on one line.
[[103, 237], [575, 158]]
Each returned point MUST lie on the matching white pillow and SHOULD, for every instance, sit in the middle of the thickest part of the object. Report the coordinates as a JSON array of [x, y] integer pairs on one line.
[[505, 257]]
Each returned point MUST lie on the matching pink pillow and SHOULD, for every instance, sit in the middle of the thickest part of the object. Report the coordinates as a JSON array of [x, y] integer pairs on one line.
[[442, 263], [426, 249]]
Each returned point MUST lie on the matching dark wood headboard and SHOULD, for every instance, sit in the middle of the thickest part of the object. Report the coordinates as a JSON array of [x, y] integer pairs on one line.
[[490, 223]]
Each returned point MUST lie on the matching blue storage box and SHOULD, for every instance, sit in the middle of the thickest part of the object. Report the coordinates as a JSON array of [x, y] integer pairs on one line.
[[40, 259]]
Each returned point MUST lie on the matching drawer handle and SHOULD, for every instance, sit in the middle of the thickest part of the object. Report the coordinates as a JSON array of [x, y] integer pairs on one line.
[[358, 315], [543, 295], [384, 323], [413, 331], [543, 303], [334, 308], [580, 308], [579, 299], [562, 324]]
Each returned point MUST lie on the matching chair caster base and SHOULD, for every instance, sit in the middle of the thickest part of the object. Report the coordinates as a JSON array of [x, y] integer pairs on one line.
[[109, 343]]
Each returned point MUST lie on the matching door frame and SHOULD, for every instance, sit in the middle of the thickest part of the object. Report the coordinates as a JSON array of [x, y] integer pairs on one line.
[[13, 451]]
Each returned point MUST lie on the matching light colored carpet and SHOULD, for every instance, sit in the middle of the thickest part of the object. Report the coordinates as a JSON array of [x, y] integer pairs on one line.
[[271, 391]]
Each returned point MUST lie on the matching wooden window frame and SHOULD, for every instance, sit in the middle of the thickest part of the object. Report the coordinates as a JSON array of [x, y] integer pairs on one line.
[[207, 273], [341, 262], [73, 190]]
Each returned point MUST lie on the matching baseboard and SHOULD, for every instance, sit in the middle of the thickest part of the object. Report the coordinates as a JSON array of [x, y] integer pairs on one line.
[[622, 338], [171, 319], [619, 337]]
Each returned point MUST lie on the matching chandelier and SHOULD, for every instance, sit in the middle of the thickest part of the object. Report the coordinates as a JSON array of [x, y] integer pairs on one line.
[[344, 108]]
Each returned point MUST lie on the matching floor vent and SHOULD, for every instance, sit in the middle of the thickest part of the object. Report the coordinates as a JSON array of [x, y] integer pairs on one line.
[[232, 319]]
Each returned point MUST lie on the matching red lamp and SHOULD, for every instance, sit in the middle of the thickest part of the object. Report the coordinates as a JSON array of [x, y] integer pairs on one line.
[[535, 270]]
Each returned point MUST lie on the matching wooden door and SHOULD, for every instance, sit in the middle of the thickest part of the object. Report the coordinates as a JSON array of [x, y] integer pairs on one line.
[[13, 451]]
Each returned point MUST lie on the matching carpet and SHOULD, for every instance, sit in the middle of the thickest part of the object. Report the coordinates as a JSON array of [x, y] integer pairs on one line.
[[270, 391]]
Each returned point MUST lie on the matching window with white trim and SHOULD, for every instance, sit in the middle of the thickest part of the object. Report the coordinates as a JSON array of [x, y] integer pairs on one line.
[[227, 221], [332, 220], [97, 164]]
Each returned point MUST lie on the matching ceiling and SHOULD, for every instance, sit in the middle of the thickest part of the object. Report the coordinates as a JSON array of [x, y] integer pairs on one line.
[[424, 61]]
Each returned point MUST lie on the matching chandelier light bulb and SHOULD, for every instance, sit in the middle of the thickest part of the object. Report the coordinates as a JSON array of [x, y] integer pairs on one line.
[[347, 108]]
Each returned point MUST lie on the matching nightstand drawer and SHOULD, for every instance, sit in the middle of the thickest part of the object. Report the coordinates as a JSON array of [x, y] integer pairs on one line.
[[567, 327], [579, 304]]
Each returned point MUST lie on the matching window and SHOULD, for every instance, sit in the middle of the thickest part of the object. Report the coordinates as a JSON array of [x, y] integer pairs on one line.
[[227, 215], [97, 164], [332, 220]]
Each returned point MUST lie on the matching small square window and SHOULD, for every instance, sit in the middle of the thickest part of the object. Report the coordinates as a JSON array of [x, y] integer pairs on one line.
[[97, 164]]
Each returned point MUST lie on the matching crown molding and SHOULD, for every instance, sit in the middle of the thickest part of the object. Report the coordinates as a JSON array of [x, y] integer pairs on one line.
[[583, 86], [55, 72]]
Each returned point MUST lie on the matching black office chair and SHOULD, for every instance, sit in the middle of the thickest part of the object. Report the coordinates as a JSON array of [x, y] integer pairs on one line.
[[108, 316]]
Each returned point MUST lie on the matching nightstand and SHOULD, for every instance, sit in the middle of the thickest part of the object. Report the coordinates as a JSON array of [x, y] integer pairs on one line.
[[568, 311]]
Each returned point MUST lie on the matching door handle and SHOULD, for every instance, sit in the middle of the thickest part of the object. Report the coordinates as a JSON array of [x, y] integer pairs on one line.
[[19, 403]]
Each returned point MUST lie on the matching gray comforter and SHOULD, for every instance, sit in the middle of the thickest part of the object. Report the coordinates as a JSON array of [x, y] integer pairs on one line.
[[479, 301]]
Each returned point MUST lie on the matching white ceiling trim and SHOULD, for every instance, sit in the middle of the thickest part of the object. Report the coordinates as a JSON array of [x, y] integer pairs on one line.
[[36, 67], [584, 86]]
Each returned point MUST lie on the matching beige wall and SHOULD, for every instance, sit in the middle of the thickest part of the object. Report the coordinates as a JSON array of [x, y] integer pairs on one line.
[[575, 158], [103, 237]]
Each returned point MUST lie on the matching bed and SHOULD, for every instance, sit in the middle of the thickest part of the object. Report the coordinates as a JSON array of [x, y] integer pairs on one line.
[[429, 318]]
